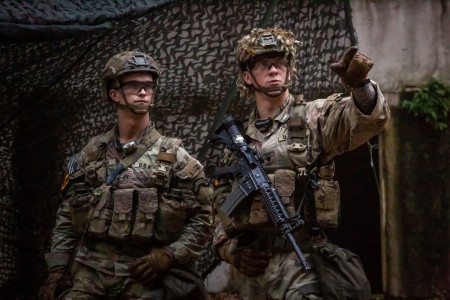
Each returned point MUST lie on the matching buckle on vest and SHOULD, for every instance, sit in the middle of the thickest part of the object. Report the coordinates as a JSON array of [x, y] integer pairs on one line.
[[297, 147], [302, 171], [161, 175]]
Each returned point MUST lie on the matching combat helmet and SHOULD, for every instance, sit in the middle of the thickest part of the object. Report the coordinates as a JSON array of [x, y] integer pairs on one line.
[[263, 42], [124, 63]]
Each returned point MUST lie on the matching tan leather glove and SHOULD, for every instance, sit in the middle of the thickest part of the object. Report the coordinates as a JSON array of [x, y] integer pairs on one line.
[[352, 68], [147, 268], [249, 261], [48, 289]]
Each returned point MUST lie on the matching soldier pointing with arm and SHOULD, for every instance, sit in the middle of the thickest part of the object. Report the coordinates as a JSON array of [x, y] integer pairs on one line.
[[297, 139]]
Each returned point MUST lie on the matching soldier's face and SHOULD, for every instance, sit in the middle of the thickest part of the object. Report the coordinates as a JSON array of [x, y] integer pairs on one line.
[[267, 72], [138, 89]]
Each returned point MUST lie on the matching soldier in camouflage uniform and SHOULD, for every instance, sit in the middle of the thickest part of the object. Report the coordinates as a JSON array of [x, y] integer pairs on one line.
[[298, 140], [136, 207]]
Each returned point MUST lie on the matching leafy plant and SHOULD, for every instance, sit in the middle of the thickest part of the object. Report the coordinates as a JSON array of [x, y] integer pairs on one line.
[[431, 101]]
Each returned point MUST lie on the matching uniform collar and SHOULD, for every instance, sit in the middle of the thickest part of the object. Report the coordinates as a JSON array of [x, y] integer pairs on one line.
[[280, 117]]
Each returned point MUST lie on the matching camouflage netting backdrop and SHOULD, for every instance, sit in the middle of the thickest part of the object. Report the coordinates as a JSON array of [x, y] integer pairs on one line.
[[52, 54]]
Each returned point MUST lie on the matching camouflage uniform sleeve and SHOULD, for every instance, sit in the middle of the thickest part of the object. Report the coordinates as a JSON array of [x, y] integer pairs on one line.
[[337, 125], [64, 240], [222, 188], [191, 178]]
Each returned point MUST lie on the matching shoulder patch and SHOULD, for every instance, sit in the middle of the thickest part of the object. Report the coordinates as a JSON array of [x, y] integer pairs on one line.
[[65, 183], [72, 164]]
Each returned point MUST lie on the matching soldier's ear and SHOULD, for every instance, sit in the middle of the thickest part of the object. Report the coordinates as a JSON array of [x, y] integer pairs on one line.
[[114, 95], [247, 77]]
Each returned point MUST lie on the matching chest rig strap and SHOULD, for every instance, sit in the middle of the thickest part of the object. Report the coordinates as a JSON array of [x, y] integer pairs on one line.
[[298, 130], [130, 159], [166, 157], [297, 121]]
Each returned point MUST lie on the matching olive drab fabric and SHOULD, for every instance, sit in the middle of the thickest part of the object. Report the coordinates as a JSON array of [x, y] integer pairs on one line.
[[341, 273], [327, 193]]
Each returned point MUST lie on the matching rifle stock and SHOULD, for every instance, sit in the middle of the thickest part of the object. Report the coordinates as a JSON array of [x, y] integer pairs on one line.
[[252, 177]]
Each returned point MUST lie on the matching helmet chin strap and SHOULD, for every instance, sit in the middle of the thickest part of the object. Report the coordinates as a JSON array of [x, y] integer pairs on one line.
[[271, 90], [133, 108]]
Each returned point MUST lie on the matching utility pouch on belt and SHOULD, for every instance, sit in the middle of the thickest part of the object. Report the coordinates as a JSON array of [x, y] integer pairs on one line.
[[102, 214], [170, 216], [120, 227], [145, 214], [327, 198]]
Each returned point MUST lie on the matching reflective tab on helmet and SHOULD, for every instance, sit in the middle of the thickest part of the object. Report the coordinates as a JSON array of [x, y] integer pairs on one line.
[[268, 39]]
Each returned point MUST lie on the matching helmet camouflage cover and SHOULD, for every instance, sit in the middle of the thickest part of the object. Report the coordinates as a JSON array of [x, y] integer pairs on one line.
[[124, 63], [261, 42]]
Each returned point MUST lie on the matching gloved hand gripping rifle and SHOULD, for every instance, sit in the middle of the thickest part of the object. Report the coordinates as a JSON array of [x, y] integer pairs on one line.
[[252, 178]]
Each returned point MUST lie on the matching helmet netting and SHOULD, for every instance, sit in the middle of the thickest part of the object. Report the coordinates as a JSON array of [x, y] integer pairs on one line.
[[252, 46]]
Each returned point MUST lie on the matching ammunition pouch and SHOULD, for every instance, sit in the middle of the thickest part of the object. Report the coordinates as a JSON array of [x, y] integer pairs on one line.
[[170, 216], [121, 221], [284, 181], [326, 201], [145, 215], [102, 214], [136, 215]]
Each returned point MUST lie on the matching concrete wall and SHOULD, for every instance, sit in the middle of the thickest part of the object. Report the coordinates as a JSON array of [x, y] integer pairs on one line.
[[409, 42]]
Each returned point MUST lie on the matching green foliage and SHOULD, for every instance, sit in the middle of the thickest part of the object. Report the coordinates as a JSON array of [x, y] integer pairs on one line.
[[431, 101]]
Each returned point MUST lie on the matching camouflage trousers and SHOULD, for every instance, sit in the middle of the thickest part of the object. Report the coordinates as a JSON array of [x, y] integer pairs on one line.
[[90, 284], [284, 278]]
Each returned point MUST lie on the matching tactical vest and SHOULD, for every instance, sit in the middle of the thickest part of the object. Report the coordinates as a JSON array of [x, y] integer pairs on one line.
[[130, 214], [322, 208]]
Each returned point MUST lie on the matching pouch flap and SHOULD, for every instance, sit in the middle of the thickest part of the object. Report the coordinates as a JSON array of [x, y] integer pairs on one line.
[[148, 200], [285, 182], [105, 195], [123, 201]]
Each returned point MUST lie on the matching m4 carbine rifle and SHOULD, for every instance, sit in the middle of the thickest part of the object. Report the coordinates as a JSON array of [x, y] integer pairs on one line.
[[252, 178]]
